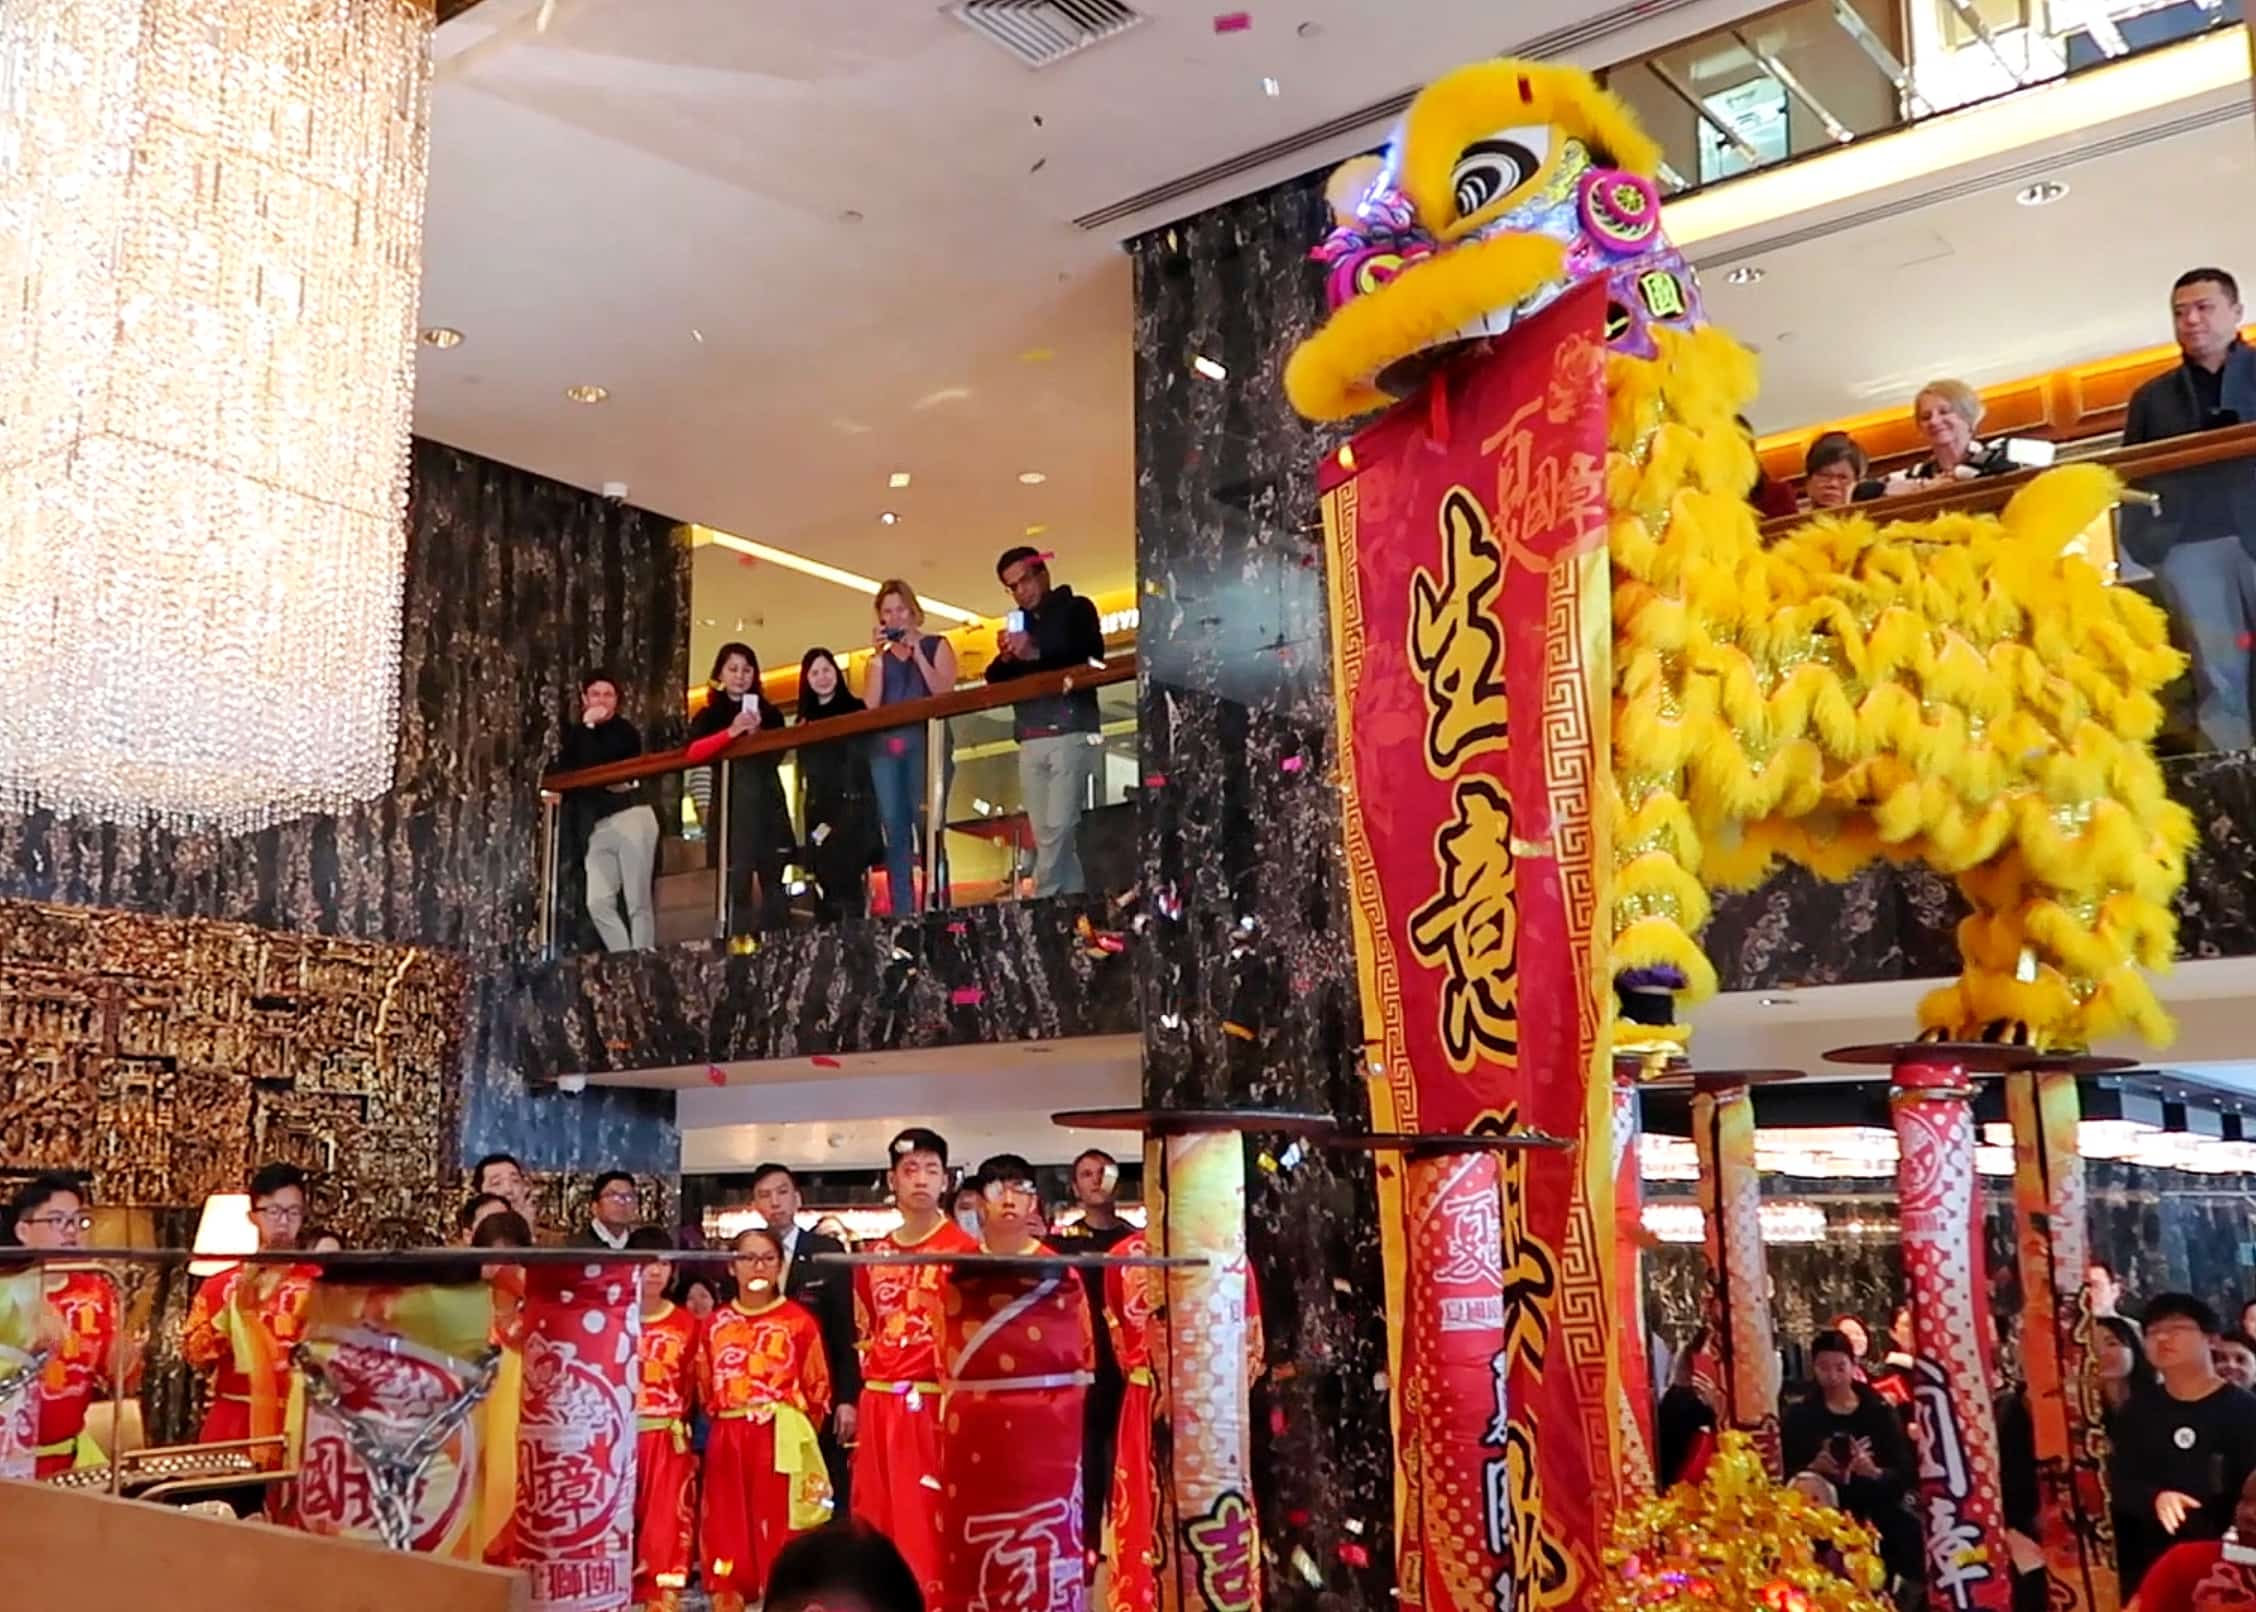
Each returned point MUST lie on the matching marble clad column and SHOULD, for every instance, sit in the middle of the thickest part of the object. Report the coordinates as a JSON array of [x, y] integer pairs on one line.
[[1244, 954]]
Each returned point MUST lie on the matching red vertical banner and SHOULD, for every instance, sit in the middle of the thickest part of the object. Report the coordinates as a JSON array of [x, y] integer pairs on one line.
[[576, 1436], [1960, 1504], [1723, 1134], [2067, 1416], [1471, 639]]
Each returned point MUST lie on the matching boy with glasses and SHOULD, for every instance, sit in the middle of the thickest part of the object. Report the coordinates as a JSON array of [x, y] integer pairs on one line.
[[246, 1319], [2183, 1450], [50, 1212]]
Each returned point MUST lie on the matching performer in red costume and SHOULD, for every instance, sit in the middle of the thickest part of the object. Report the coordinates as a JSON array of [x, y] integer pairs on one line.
[[764, 1380], [1020, 1354], [665, 1470], [1131, 1294], [50, 1212], [2206, 1575], [246, 1319], [898, 1318]]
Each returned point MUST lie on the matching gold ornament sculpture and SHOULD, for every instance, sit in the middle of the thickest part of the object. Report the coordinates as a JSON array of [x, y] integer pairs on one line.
[[1737, 1540]]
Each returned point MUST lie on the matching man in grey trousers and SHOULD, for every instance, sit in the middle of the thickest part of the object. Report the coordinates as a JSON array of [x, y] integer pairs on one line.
[[621, 829], [2201, 543], [1051, 629]]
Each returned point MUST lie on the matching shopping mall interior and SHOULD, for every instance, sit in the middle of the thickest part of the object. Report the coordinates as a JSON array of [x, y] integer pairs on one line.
[[554, 429]]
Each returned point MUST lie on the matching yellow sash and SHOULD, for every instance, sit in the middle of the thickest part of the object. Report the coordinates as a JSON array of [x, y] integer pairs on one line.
[[497, 1503], [798, 1455]]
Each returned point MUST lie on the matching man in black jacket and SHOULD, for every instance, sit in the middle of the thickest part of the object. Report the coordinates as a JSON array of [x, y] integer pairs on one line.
[[621, 829], [2201, 542], [1849, 1436], [827, 1291], [1051, 629]]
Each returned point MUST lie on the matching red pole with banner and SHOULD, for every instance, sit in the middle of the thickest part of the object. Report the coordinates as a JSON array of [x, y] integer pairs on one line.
[[1960, 1496], [1723, 1133], [576, 1435], [2067, 1416]]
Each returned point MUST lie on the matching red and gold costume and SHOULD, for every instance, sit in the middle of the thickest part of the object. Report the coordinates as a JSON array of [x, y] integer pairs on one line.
[[763, 1378], [241, 1328], [1020, 1354], [665, 1470], [87, 1304], [1131, 1294], [898, 1316]]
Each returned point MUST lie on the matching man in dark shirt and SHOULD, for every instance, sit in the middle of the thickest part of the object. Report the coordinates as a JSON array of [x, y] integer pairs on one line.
[[622, 831], [1096, 1190], [2183, 1450], [1851, 1437], [2201, 542], [1051, 629]]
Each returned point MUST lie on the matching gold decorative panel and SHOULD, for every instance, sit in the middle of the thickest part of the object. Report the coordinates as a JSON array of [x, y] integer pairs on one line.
[[165, 1058]]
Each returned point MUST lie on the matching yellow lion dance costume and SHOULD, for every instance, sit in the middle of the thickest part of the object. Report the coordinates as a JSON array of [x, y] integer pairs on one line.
[[1960, 691]]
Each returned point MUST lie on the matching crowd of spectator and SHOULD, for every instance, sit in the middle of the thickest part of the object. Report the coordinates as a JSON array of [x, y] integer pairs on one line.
[[862, 802]]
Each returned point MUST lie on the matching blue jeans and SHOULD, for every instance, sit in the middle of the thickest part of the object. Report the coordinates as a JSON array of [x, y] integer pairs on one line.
[[898, 776], [2211, 589]]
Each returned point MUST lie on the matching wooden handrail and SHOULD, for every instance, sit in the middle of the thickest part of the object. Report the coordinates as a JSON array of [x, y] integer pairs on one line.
[[882, 719], [2133, 464]]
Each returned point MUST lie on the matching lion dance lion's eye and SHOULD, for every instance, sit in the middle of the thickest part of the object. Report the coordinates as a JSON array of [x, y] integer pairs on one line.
[[1488, 169]]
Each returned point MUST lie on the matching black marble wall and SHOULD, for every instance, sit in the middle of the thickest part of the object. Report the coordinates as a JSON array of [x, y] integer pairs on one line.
[[1248, 926], [1007, 972], [514, 584]]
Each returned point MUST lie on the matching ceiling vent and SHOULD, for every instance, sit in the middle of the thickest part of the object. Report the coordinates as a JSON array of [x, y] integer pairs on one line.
[[1040, 32]]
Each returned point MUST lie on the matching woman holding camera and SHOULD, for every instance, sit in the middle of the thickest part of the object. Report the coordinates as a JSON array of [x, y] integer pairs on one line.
[[908, 664]]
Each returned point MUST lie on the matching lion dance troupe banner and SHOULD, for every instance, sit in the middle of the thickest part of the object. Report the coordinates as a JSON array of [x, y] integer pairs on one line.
[[1471, 623]]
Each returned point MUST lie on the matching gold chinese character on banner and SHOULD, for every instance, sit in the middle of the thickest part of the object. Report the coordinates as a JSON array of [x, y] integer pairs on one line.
[[1470, 928], [1455, 640]]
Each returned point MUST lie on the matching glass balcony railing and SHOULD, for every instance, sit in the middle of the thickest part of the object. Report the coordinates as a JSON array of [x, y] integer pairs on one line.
[[1009, 790], [1813, 74], [2174, 537]]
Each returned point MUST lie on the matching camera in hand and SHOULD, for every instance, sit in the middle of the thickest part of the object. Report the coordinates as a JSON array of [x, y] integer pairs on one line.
[[1841, 1447], [894, 635]]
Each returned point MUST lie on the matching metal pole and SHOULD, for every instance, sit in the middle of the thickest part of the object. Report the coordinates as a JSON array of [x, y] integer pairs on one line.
[[718, 831], [935, 809], [548, 854]]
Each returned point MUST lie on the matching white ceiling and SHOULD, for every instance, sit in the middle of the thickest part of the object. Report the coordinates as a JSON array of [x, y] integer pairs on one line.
[[609, 176]]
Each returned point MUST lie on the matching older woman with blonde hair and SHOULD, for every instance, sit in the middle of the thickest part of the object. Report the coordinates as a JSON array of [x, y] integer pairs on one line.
[[908, 663], [1946, 413]]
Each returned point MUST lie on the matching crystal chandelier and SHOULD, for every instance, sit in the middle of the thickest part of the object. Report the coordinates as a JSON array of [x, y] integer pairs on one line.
[[210, 239]]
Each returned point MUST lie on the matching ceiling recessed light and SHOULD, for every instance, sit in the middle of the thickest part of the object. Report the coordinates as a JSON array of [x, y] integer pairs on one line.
[[888, 518], [1036, 530], [1270, 86], [1209, 368], [899, 478], [696, 335], [586, 394], [2041, 194], [707, 621], [442, 337], [1777, 1001], [1032, 478], [1745, 274]]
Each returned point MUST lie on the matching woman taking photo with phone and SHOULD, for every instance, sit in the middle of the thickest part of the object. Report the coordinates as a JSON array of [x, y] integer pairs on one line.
[[908, 664], [756, 818], [835, 802]]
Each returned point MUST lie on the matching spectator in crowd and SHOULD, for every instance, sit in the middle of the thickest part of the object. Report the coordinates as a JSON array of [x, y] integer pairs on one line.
[[1891, 1379], [1849, 1436], [843, 1566], [1860, 1342], [481, 1207], [1684, 1422], [2182, 1450], [1770, 499], [2121, 1355], [621, 829], [504, 1228], [501, 1175], [827, 1291], [755, 821], [1946, 413], [700, 1297], [2248, 1317], [614, 1210], [2201, 541], [836, 801], [1051, 629], [2235, 1358], [2207, 1575], [964, 1207], [2103, 1289], [908, 663], [1832, 470]]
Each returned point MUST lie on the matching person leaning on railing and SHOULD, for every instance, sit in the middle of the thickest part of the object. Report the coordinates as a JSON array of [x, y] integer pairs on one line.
[[1052, 629], [757, 819], [906, 663], [2199, 543], [621, 829], [836, 802], [1946, 413]]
